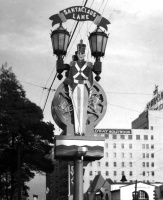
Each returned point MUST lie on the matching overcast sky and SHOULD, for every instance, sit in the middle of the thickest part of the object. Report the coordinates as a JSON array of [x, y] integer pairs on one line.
[[132, 66]]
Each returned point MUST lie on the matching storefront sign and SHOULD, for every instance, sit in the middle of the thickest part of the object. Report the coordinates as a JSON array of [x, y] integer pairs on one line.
[[113, 131], [71, 179], [79, 13]]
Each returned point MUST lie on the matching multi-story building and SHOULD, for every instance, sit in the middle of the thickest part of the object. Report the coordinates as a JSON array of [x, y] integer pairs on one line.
[[134, 152]]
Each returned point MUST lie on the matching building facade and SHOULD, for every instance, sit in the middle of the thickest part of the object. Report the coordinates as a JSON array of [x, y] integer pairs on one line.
[[135, 153], [101, 189]]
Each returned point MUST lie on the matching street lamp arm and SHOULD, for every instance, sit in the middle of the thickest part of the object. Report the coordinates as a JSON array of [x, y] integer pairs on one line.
[[97, 68]]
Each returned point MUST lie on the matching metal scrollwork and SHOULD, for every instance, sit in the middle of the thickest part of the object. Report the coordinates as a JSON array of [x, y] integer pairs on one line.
[[62, 108]]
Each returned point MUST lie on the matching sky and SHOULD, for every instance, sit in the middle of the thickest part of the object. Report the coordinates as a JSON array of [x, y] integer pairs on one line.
[[131, 67]]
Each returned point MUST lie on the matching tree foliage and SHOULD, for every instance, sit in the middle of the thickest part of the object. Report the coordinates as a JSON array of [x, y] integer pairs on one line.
[[24, 137]]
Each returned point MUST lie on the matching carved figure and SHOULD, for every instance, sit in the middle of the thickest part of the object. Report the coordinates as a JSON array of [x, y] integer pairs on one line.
[[80, 82]]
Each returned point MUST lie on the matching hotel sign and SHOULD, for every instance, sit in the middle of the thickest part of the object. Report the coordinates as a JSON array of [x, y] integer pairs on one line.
[[79, 13], [156, 103], [113, 131]]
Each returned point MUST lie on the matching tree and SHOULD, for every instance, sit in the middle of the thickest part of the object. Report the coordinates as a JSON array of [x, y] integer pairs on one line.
[[24, 137]]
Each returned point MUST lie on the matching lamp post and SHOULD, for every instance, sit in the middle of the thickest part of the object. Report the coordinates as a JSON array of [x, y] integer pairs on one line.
[[60, 41], [98, 40], [77, 120], [135, 193]]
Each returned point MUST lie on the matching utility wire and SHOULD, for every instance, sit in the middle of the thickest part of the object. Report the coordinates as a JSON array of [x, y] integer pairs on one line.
[[104, 7], [46, 85], [92, 22], [33, 85], [49, 91], [81, 27], [133, 110], [41, 97], [74, 40], [74, 22], [78, 32], [44, 88], [128, 93], [76, 26]]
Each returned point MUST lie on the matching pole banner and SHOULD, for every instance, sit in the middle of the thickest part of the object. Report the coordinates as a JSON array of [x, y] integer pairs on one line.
[[79, 13]]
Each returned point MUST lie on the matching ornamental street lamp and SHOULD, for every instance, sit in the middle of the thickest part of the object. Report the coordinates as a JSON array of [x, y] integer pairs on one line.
[[60, 41], [98, 40], [75, 106]]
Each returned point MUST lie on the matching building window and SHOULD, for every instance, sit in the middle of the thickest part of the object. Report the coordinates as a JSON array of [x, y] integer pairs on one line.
[[122, 146], [142, 195], [130, 146], [147, 155], [152, 155], [115, 155], [143, 164], [147, 146], [123, 155], [137, 137], [147, 164], [145, 137], [106, 145], [130, 173], [130, 137], [106, 136], [123, 173], [152, 137], [152, 164], [99, 172], [115, 173], [153, 173], [115, 164], [106, 164], [143, 155], [122, 137], [98, 163], [143, 146], [143, 173], [114, 137], [107, 155], [114, 145], [130, 164], [151, 127], [130, 155], [90, 173], [123, 164], [107, 173], [152, 146]]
